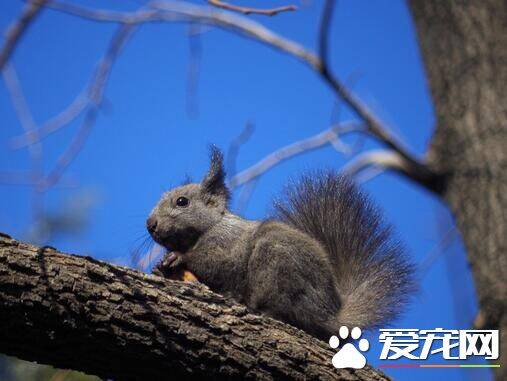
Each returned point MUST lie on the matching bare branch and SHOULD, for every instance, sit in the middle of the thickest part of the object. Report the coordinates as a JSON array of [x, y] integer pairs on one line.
[[245, 194], [96, 97], [378, 158], [329, 136], [63, 118], [392, 160], [16, 30], [25, 178], [28, 124], [324, 31], [17, 178], [72, 150], [21, 107], [232, 156], [248, 10], [234, 147], [183, 12], [436, 251], [193, 70], [168, 11], [375, 127]]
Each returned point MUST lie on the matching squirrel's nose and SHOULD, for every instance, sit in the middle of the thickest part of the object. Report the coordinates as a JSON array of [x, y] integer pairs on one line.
[[151, 224]]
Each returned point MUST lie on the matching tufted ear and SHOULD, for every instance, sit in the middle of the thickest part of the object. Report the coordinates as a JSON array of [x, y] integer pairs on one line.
[[213, 185]]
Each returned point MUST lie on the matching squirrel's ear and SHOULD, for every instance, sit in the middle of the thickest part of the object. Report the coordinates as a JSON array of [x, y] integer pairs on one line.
[[213, 183]]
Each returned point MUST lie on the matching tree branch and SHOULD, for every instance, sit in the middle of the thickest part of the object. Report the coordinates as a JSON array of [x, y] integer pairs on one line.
[[248, 10], [392, 160], [374, 126], [168, 11], [27, 122], [16, 30], [95, 94], [329, 136], [62, 119], [114, 322]]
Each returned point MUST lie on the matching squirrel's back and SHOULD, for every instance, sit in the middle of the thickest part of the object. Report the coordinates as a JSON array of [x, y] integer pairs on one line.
[[373, 276]]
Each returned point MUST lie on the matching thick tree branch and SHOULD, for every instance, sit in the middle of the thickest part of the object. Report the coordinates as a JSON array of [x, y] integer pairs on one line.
[[80, 313]]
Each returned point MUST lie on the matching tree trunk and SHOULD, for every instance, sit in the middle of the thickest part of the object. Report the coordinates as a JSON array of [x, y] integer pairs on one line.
[[464, 47], [79, 313]]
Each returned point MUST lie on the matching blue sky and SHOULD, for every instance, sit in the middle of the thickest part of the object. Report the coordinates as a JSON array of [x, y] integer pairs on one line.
[[145, 141]]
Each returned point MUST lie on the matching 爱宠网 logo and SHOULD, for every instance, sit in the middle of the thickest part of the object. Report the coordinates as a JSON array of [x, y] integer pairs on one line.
[[418, 344]]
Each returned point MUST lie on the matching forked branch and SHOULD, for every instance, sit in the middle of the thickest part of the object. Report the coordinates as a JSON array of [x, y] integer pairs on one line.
[[382, 160]]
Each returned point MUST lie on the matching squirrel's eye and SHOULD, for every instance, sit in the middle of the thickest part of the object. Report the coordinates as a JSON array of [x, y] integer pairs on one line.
[[182, 201]]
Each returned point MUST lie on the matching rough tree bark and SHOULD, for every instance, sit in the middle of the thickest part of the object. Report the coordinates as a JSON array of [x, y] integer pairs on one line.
[[76, 312], [464, 47]]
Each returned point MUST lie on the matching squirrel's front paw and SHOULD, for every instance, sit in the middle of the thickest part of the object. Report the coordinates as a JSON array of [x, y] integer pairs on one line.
[[172, 267]]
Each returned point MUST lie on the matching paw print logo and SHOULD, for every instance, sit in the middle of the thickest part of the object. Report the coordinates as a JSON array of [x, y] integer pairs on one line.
[[349, 356]]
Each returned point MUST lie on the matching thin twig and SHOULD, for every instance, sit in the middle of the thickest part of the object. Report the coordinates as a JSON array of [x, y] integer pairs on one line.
[[248, 10], [17, 178], [28, 124], [62, 119], [245, 194], [21, 106], [25, 178], [234, 147], [232, 157], [193, 70], [329, 136], [16, 30], [96, 97], [440, 247]]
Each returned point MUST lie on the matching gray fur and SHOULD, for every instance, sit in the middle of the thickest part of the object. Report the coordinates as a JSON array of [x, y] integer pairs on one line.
[[373, 276], [325, 260]]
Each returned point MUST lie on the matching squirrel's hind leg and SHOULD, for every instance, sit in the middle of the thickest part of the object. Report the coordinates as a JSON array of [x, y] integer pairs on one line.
[[292, 286]]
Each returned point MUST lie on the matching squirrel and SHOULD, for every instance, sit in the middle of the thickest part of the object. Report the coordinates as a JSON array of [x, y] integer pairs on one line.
[[325, 259]]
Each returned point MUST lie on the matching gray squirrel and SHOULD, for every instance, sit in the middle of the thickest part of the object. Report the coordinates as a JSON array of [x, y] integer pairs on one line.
[[325, 259]]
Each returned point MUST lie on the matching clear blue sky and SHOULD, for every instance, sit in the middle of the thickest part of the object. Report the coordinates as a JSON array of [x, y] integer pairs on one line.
[[145, 141]]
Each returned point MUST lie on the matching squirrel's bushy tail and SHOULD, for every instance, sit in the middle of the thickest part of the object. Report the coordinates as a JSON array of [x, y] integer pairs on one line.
[[374, 279]]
